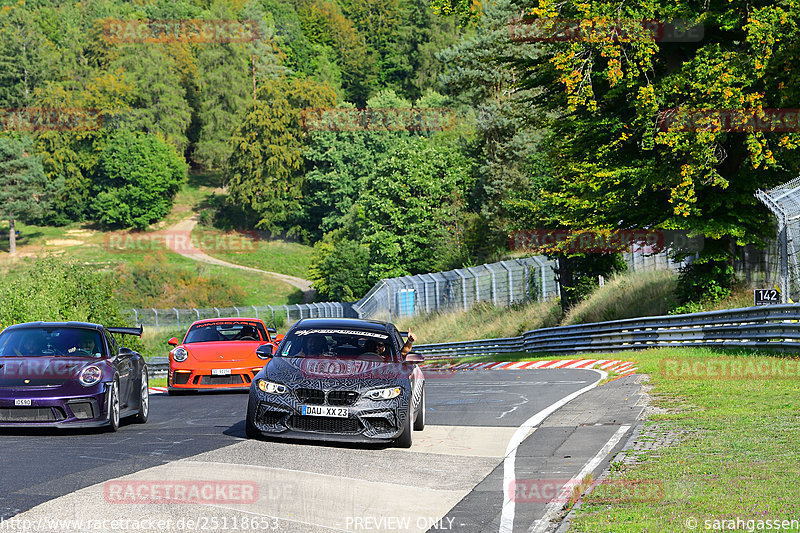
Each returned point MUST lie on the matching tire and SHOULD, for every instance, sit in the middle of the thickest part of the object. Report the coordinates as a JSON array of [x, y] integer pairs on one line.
[[113, 407], [144, 398], [406, 438], [419, 422]]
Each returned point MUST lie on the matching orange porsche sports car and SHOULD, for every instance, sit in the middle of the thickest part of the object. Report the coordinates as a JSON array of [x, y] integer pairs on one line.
[[219, 353]]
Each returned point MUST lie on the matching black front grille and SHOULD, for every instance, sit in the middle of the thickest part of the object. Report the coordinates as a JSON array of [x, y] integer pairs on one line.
[[180, 378], [310, 396], [29, 414], [381, 425], [233, 379], [323, 424], [82, 410], [270, 418], [342, 397]]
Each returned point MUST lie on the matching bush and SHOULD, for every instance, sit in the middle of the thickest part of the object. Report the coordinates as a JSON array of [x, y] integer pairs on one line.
[[52, 289], [155, 283], [137, 179], [703, 282]]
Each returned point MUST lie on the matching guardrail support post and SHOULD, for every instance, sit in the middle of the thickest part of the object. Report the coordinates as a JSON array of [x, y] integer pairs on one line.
[[254, 309], [156, 313], [177, 317], [217, 310]]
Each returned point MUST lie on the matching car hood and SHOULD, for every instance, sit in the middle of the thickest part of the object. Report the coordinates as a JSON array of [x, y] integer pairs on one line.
[[42, 371], [331, 372], [222, 351]]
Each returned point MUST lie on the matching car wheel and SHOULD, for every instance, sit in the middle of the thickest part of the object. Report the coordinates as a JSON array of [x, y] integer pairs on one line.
[[419, 423], [407, 436], [113, 407], [144, 398]]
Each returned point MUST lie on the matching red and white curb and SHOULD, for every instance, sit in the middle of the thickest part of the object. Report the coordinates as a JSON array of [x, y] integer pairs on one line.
[[622, 368], [158, 390]]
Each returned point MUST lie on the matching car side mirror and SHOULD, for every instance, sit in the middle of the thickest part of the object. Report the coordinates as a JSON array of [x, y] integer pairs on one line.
[[125, 351], [278, 338], [272, 331], [265, 351], [413, 357], [173, 341]]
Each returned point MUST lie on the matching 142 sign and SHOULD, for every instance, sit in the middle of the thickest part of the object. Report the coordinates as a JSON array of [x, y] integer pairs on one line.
[[766, 296]]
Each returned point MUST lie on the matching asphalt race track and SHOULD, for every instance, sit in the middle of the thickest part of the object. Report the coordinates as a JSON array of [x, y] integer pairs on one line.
[[482, 435]]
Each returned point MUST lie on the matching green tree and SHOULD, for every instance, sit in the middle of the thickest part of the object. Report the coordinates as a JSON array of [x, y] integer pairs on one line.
[[411, 211], [24, 189], [612, 162], [137, 178], [339, 269], [264, 170]]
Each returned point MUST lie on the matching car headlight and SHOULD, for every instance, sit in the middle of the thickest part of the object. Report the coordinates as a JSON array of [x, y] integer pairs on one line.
[[90, 376], [179, 354], [384, 394], [271, 388]]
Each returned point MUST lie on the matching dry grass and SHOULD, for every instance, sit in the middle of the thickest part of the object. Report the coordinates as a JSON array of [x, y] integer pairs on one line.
[[484, 321], [630, 295]]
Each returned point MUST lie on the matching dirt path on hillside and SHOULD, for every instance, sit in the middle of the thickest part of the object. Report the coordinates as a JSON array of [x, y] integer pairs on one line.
[[182, 244]]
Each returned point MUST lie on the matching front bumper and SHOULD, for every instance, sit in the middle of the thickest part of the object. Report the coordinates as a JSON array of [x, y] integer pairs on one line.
[[48, 409], [199, 379], [379, 421]]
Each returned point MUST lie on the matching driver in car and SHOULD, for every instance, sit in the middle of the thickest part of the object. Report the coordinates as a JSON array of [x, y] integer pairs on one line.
[[315, 345]]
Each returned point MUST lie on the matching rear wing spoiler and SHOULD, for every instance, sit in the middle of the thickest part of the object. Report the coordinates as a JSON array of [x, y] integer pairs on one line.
[[127, 331]]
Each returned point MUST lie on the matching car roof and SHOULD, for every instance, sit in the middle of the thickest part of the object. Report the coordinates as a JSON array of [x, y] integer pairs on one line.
[[346, 323], [74, 325], [227, 319]]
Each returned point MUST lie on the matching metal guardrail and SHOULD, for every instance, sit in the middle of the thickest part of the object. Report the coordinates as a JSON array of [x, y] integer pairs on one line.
[[750, 327]]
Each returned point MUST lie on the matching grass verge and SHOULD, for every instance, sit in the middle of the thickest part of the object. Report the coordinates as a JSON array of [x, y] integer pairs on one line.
[[484, 321], [739, 414]]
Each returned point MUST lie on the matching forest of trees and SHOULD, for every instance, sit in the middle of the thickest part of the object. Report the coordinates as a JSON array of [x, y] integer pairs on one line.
[[543, 134]]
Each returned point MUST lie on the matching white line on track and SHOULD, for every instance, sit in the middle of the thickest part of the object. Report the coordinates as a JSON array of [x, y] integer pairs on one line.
[[522, 432], [557, 503]]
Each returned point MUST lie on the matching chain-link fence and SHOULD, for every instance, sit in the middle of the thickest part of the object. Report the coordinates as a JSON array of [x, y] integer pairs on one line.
[[273, 315], [502, 283], [784, 202]]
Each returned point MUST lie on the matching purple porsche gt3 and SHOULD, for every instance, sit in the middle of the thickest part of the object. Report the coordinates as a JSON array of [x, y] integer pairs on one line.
[[70, 374]]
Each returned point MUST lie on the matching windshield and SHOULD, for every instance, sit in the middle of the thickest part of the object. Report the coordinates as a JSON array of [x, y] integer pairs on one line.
[[44, 342], [226, 331], [339, 344]]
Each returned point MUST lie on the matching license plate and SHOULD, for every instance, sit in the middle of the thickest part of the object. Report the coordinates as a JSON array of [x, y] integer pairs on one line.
[[221, 372], [22, 402], [322, 410]]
